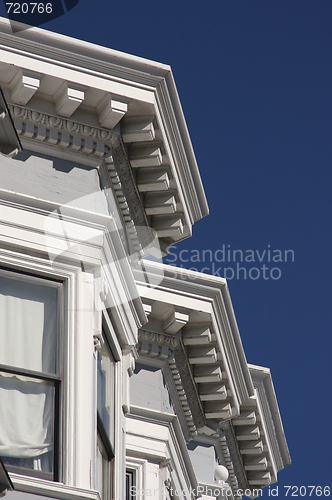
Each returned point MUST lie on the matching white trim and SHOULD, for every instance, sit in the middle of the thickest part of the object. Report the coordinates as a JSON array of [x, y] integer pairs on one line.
[[270, 412], [51, 489], [157, 437]]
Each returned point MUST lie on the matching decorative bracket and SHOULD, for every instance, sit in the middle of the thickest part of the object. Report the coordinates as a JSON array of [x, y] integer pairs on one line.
[[68, 99], [23, 87], [111, 110]]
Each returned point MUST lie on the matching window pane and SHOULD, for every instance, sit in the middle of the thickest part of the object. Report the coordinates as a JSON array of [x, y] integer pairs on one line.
[[104, 471], [28, 327], [106, 396], [26, 422], [130, 485]]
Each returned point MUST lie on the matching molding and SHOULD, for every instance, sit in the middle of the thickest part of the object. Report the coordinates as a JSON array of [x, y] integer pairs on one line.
[[62, 132], [170, 349], [148, 85], [233, 459], [51, 489], [101, 249], [178, 452], [209, 332], [263, 383], [98, 144], [210, 295]]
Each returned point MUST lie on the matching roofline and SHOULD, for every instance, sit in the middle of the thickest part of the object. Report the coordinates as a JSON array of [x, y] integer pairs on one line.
[[58, 41], [143, 74], [212, 288], [263, 374]]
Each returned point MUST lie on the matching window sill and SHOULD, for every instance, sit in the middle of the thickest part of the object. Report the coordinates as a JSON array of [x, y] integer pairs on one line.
[[51, 489]]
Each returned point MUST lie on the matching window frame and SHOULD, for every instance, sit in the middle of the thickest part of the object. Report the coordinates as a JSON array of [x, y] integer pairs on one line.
[[103, 347], [55, 379]]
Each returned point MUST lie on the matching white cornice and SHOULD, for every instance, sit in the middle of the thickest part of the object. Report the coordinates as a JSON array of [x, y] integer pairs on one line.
[[169, 349], [260, 434], [41, 39], [201, 292], [102, 71], [263, 383]]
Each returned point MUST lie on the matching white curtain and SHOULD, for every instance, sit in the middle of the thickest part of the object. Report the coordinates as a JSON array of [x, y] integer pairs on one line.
[[28, 340]]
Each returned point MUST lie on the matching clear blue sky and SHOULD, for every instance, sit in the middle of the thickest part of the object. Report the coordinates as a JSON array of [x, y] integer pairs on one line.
[[255, 82]]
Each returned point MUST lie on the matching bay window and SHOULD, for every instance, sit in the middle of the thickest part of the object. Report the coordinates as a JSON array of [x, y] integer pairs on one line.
[[29, 373]]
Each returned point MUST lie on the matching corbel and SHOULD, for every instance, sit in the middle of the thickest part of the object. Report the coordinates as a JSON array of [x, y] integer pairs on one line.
[[67, 99], [159, 204], [174, 320], [168, 225], [155, 179], [138, 130], [145, 155], [196, 335], [24, 86], [111, 110]]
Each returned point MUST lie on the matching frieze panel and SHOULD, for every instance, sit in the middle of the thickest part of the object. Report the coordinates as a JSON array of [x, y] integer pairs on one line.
[[170, 348], [103, 145]]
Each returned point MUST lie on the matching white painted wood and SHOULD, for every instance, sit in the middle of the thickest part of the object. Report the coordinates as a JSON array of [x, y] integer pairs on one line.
[[167, 226], [251, 447], [247, 433], [23, 87], [255, 463], [111, 110], [145, 156], [192, 334], [152, 180], [246, 417], [138, 131], [158, 204], [68, 99], [174, 321], [196, 335], [202, 355], [207, 374], [260, 478]]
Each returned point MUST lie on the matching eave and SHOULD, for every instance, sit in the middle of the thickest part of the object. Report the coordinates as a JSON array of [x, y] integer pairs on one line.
[[259, 432], [95, 105], [196, 312]]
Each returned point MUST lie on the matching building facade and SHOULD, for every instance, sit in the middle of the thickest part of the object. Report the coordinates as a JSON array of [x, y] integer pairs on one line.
[[119, 378]]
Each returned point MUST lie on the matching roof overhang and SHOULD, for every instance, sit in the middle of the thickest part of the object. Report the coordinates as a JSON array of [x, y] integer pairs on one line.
[[194, 316], [95, 105], [191, 318], [259, 432]]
